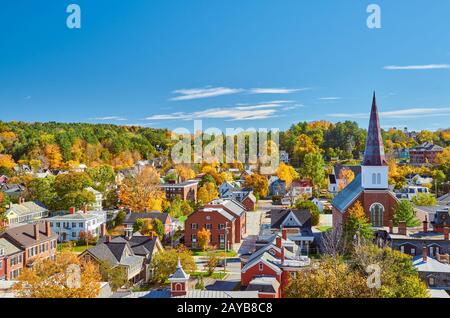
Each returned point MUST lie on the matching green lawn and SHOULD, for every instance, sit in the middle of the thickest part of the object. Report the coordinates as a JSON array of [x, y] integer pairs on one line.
[[324, 228], [76, 249], [215, 275], [218, 253]]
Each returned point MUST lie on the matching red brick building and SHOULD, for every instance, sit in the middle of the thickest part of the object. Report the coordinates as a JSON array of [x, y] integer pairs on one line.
[[237, 210], [185, 190], [11, 260], [249, 202], [37, 241], [425, 153], [370, 187], [220, 223], [269, 269]]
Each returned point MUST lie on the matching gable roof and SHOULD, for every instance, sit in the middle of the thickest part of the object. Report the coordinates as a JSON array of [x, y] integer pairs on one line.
[[132, 217], [221, 211], [23, 235], [231, 205], [8, 248], [431, 265], [278, 216], [26, 208], [267, 259], [350, 193], [264, 285], [139, 244]]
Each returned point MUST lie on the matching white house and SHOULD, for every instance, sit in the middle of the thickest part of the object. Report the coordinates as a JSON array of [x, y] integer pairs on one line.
[[25, 212], [411, 191], [97, 205], [69, 226]]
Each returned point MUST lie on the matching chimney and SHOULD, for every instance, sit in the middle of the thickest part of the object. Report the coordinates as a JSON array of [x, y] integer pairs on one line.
[[279, 242], [425, 225], [402, 228], [446, 230], [72, 210], [36, 231], [282, 255], [108, 238], [424, 254], [391, 227], [48, 228], [103, 230], [284, 234]]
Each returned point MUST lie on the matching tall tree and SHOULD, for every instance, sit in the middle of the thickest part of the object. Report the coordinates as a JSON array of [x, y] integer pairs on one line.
[[313, 168], [405, 212]]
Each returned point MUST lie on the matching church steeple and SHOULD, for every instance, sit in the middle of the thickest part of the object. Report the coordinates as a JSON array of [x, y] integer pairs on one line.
[[374, 152]]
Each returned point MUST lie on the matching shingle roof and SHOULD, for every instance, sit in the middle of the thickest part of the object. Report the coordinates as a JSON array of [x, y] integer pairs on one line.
[[27, 208], [132, 217], [277, 217], [344, 198], [24, 234], [8, 248], [427, 146], [431, 265], [220, 211], [230, 204]]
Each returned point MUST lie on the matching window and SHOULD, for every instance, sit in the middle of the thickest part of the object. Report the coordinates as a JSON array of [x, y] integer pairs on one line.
[[261, 267], [402, 249], [194, 226], [194, 237], [74, 224], [58, 224], [431, 281], [208, 226], [221, 226], [80, 225], [376, 214], [413, 251], [379, 178], [374, 178]]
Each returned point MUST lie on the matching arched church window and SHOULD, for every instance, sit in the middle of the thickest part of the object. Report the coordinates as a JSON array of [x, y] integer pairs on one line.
[[378, 178], [374, 178], [376, 214]]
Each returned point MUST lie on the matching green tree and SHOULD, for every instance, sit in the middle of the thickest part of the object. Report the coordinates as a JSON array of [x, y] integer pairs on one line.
[[424, 199], [158, 227], [357, 224], [43, 190], [405, 212], [165, 262], [116, 276], [313, 168], [312, 208]]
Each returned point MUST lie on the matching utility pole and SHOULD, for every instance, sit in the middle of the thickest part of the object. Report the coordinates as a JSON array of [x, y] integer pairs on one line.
[[226, 246]]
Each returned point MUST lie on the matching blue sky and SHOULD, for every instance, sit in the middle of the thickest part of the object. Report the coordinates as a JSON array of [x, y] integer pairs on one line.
[[252, 63]]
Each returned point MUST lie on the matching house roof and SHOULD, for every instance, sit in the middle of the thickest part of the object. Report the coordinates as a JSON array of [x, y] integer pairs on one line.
[[141, 245], [344, 198], [132, 217], [250, 196], [301, 183], [165, 293], [374, 151], [230, 204], [221, 211], [264, 285], [187, 183], [26, 208], [24, 234], [266, 258], [445, 199], [431, 265], [427, 146], [115, 252], [78, 216], [8, 248], [278, 216]]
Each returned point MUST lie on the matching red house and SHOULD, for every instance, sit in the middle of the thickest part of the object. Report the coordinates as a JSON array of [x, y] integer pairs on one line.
[[269, 269], [216, 219], [11, 260], [237, 210]]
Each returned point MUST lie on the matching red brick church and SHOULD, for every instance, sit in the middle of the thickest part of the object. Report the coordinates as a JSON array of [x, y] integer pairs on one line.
[[370, 187]]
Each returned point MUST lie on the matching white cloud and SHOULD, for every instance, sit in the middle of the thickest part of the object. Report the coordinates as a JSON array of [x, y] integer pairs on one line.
[[197, 93], [239, 112], [275, 90], [399, 114], [109, 118], [207, 92], [417, 67]]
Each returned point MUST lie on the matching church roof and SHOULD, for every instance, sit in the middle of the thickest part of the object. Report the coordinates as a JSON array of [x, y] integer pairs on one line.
[[179, 274], [344, 198], [374, 152]]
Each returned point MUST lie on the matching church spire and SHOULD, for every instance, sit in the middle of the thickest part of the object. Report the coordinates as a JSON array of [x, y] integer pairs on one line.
[[374, 153]]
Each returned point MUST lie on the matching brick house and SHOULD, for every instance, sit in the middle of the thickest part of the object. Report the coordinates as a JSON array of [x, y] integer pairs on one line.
[[185, 190], [217, 220], [370, 187], [37, 241], [11, 260], [249, 202], [269, 269], [237, 210], [425, 153]]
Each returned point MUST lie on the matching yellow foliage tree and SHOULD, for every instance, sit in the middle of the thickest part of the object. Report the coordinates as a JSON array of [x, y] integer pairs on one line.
[[142, 192], [346, 176], [60, 278], [184, 172], [207, 193], [6, 161], [203, 237], [53, 155], [287, 174]]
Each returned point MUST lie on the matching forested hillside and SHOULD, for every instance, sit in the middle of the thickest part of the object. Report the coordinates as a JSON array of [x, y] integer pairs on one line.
[[56, 145]]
